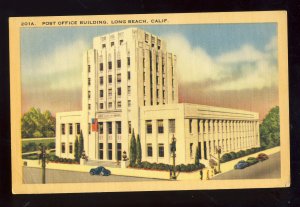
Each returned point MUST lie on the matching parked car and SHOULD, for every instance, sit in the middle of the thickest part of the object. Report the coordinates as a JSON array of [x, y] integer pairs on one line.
[[262, 157], [100, 171], [241, 165], [252, 160]]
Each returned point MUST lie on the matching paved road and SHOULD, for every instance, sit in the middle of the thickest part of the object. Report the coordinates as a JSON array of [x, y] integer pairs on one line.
[[263, 170], [34, 176]]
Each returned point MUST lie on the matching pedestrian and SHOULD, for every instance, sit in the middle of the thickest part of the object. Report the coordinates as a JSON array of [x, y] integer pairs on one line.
[[201, 174], [207, 174]]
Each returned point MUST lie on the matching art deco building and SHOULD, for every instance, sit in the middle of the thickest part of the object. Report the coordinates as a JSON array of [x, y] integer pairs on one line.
[[129, 83]]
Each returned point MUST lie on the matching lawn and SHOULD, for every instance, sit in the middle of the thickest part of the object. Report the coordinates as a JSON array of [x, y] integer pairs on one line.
[[33, 144], [37, 142]]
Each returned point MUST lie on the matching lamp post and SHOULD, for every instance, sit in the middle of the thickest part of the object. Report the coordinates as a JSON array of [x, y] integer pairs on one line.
[[219, 151], [173, 150], [43, 157]]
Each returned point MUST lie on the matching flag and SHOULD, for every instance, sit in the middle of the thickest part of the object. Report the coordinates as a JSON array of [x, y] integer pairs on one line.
[[94, 125]]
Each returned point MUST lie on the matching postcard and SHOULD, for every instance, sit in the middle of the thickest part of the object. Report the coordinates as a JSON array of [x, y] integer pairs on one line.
[[149, 102]]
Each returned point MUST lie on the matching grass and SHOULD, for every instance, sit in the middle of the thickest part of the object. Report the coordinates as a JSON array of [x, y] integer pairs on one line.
[[41, 141]]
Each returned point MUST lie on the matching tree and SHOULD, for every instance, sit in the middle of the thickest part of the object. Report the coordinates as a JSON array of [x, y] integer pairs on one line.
[[34, 123], [270, 129], [197, 156], [76, 150], [81, 144], [138, 149], [132, 155]]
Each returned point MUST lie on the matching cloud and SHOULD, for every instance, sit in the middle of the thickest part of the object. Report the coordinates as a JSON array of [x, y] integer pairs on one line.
[[243, 68], [59, 69]]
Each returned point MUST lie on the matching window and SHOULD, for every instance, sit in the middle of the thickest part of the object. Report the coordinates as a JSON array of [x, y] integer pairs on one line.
[[89, 81], [146, 38], [101, 151], [63, 130], [110, 79], [101, 94], [198, 125], [109, 65], [77, 128], [63, 147], [89, 128], [149, 150], [160, 126], [171, 125], [121, 41], [100, 127], [119, 127], [163, 81], [161, 152], [101, 80], [110, 105], [118, 63], [157, 93], [70, 147], [119, 104], [119, 151], [128, 75], [103, 45], [190, 125], [149, 126], [89, 68], [109, 151], [119, 78], [129, 127], [70, 128], [112, 44], [191, 150], [144, 76], [109, 92], [119, 92], [89, 106], [109, 127], [204, 128], [129, 103], [128, 90], [128, 61], [101, 67], [144, 90], [89, 94]]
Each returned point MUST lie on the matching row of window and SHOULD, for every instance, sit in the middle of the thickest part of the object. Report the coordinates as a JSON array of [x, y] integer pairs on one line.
[[110, 151], [63, 147], [160, 126], [63, 128], [219, 127]]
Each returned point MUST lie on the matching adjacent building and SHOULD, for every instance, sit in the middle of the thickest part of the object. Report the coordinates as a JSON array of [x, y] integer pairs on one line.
[[129, 84]]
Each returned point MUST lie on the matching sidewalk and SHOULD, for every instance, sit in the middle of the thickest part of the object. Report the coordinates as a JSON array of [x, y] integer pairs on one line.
[[149, 173]]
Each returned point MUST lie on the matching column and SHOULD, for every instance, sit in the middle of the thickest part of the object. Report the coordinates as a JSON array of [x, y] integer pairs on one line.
[[258, 134], [105, 137], [201, 138], [114, 140]]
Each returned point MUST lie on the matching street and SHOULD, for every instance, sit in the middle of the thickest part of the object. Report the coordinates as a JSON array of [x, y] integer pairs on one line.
[[263, 170], [34, 176]]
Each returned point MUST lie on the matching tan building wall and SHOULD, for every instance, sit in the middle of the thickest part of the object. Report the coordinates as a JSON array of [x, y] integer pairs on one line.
[[129, 78]]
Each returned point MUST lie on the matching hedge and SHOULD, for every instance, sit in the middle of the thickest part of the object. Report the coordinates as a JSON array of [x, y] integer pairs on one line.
[[234, 155], [166, 167], [56, 159]]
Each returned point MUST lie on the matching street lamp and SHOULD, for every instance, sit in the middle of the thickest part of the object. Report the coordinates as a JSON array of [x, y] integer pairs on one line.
[[43, 157], [219, 151], [173, 150]]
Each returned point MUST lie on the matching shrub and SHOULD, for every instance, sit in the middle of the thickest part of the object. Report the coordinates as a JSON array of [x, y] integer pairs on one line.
[[51, 145]]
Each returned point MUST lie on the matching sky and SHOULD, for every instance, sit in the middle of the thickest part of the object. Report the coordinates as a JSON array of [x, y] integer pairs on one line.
[[226, 65]]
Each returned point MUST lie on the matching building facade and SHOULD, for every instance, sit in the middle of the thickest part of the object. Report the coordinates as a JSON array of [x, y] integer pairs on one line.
[[129, 83]]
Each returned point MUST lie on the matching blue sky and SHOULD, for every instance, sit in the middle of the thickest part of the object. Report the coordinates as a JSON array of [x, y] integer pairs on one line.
[[220, 58]]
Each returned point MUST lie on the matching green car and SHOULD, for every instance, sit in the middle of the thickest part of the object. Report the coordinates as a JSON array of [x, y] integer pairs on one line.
[[252, 160]]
